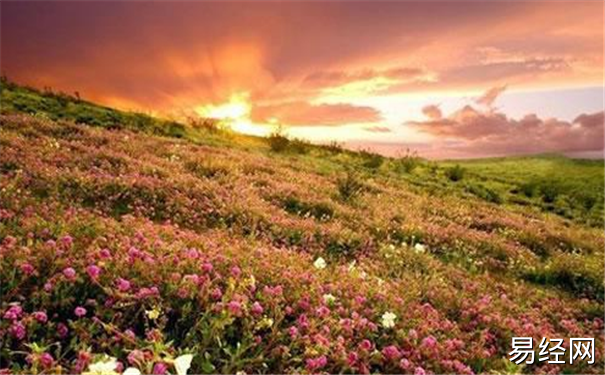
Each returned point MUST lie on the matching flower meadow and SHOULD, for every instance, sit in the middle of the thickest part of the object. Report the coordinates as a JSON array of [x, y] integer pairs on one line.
[[126, 252]]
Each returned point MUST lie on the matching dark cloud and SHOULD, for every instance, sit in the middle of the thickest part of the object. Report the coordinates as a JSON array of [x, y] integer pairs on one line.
[[306, 114]]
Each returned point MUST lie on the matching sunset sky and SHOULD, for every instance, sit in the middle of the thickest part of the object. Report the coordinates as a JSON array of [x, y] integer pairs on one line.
[[448, 79]]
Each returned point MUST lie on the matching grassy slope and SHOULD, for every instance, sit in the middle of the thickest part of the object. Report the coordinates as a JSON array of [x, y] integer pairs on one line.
[[489, 271]]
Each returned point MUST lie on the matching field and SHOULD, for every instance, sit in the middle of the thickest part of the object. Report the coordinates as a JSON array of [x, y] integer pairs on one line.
[[146, 239]]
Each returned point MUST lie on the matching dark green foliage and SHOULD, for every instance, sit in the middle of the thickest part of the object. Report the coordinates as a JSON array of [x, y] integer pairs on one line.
[[455, 173], [408, 162], [349, 186], [278, 142], [320, 211], [371, 160], [484, 193]]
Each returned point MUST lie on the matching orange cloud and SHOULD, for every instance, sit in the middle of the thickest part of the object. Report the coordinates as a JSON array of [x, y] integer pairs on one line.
[[305, 114]]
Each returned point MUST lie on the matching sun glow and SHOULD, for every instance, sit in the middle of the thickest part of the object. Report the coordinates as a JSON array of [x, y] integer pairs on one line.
[[235, 113]]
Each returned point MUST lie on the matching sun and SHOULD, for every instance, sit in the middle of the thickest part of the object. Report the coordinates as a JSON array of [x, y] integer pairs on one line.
[[235, 113]]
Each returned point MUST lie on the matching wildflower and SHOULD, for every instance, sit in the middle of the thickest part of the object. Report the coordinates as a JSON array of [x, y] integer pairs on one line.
[[123, 284], [366, 345], [131, 371], [160, 368], [69, 273], [329, 299], [67, 241], [153, 314], [93, 271], [429, 342], [316, 363], [207, 267], [293, 332], [80, 311], [320, 263], [47, 360], [322, 312], [391, 353], [352, 359], [62, 330], [40, 316], [18, 331], [13, 313], [27, 268], [182, 363], [419, 371], [419, 248], [256, 309], [388, 319], [236, 271], [106, 366], [235, 308], [216, 294], [105, 253]]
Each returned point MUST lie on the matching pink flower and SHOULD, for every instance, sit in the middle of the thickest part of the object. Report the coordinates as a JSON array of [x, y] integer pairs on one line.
[[136, 357], [69, 273], [316, 363], [419, 371], [391, 353], [67, 241], [105, 253], [93, 271], [80, 311], [236, 271], [429, 342], [235, 308], [366, 345], [216, 294], [47, 360], [27, 268], [352, 359], [123, 285], [40, 316], [17, 330], [256, 309], [13, 313], [160, 368], [323, 312], [293, 331], [207, 267], [62, 330]]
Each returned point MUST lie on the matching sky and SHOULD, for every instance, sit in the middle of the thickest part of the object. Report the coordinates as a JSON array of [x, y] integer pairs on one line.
[[446, 79]]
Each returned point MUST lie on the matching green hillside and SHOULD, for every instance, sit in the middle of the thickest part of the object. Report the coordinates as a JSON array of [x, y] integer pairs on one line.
[[145, 239]]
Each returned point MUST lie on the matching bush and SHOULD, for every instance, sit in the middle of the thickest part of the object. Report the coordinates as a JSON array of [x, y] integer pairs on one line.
[[277, 141], [349, 187], [455, 173], [408, 162], [371, 159], [549, 191], [484, 193], [319, 211], [299, 146], [334, 147]]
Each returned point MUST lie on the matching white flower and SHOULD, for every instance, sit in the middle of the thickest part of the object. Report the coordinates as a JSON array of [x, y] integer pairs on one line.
[[388, 319], [329, 299], [131, 371], [106, 366], [320, 263], [182, 363], [419, 248]]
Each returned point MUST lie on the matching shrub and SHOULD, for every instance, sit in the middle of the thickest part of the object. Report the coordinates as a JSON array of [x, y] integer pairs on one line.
[[455, 173], [349, 186], [334, 147], [320, 211], [529, 188], [206, 168], [549, 191], [371, 159], [484, 193], [299, 146], [277, 141], [408, 162]]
